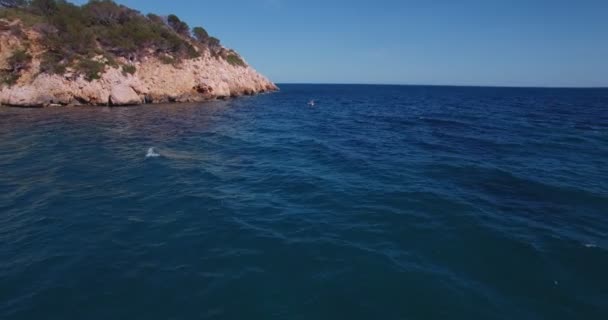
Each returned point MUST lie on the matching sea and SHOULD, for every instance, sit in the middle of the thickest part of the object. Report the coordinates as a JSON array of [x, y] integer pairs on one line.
[[378, 202]]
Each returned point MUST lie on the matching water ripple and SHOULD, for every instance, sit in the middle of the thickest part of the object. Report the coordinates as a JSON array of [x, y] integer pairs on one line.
[[382, 201]]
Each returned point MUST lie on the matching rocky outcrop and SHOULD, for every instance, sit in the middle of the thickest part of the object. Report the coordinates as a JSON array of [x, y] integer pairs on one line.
[[123, 95], [203, 78]]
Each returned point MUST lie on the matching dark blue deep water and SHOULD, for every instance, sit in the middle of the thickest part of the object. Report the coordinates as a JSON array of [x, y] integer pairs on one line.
[[381, 202]]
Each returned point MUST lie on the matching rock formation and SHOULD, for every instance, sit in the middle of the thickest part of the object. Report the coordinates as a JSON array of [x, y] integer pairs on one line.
[[150, 79]]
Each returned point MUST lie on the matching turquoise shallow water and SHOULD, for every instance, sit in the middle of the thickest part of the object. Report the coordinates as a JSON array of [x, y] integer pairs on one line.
[[381, 202]]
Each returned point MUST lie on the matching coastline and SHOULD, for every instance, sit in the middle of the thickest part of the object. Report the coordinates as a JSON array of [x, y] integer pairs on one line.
[[160, 102], [208, 73], [154, 82]]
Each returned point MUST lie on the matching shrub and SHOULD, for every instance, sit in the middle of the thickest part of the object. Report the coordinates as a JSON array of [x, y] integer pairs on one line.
[[20, 60], [22, 15], [53, 63], [90, 69], [200, 34], [214, 42], [8, 78], [128, 69], [106, 12], [167, 59], [73, 34], [155, 18], [191, 52], [46, 7], [178, 25], [235, 60], [109, 60]]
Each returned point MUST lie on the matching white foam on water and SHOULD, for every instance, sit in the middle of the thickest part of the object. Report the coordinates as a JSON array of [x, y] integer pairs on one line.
[[590, 245], [152, 154]]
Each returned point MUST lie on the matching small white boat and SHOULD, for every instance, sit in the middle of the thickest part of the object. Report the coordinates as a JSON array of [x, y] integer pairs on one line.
[[311, 103]]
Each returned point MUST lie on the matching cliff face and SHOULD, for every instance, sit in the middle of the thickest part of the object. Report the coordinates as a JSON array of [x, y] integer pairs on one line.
[[150, 81]]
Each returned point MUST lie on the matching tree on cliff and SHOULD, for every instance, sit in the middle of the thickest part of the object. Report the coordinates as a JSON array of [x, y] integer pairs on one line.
[[214, 42], [106, 12], [178, 25], [87, 38], [46, 7], [200, 34]]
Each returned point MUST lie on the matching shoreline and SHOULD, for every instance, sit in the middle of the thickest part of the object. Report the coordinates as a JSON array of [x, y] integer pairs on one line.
[[158, 102]]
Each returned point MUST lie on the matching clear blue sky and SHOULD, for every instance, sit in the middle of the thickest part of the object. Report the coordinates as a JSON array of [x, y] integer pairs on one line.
[[464, 42]]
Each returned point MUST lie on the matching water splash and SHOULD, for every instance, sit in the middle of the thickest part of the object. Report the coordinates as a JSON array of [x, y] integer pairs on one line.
[[152, 154]]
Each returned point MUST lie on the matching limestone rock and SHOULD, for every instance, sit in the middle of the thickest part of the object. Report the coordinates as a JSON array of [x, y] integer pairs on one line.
[[124, 96], [198, 79]]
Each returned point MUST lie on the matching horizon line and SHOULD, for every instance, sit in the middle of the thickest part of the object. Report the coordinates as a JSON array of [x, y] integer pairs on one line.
[[442, 85]]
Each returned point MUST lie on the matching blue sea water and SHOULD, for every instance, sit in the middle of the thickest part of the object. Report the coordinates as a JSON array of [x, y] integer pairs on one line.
[[380, 202]]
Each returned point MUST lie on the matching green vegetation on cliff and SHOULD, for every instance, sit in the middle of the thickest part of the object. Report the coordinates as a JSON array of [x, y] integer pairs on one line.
[[17, 62], [90, 37]]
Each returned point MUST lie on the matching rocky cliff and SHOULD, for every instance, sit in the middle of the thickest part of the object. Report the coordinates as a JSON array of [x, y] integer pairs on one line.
[[129, 79]]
